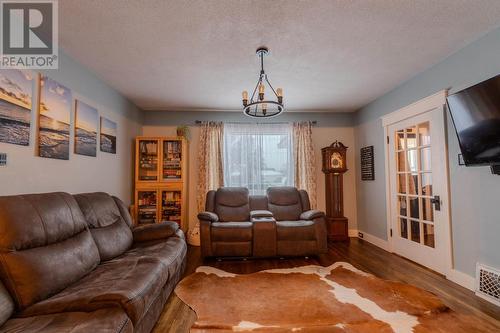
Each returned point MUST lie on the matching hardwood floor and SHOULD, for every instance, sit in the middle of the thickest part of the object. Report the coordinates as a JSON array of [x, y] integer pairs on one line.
[[178, 317]]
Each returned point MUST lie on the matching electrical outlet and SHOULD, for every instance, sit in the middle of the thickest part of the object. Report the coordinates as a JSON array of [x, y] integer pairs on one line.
[[360, 234], [3, 159]]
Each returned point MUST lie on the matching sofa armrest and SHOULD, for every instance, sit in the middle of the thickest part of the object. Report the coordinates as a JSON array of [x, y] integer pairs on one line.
[[155, 231], [311, 214], [208, 216], [260, 213]]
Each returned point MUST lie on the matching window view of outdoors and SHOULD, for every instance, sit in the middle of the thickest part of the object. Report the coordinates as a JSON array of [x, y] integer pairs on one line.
[[258, 156]]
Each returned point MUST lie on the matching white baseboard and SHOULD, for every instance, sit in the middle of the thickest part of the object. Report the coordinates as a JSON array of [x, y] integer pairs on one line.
[[353, 232], [462, 279], [383, 244]]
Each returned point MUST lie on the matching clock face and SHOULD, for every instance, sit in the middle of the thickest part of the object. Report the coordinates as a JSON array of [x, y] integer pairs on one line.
[[336, 161]]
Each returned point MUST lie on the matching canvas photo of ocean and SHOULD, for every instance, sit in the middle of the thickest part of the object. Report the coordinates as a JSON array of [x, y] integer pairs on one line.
[[108, 136], [16, 90], [86, 118], [54, 119]]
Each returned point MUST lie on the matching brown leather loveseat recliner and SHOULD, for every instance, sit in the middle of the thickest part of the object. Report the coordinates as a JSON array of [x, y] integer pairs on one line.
[[281, 223], [76, 264]]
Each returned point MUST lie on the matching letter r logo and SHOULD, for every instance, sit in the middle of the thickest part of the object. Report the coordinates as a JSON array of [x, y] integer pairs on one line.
[[27, 27]]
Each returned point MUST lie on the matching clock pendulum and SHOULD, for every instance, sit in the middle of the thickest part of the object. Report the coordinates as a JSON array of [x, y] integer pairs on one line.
[[334, 167]]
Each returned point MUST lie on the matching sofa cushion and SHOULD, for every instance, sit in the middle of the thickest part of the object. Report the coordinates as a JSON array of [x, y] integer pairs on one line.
[[171, 252], [232, 204], [284, 203], [232, 231], [6, 304], [111, 232], [105, 320], [295, 230], [45, 245], [131, 281], [131, 284]]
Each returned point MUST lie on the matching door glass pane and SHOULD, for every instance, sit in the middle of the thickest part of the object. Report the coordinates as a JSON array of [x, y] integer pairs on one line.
[[148, 160], [415, 231], [427, 210], [412, 160], [402, 206], [403, 226], [414, 207], [401, 160], [413, 183], [400, 140], [426, 184], [402, 183], [424, 135], [425, 159], [146, 202], [428, 235], [411, 137]]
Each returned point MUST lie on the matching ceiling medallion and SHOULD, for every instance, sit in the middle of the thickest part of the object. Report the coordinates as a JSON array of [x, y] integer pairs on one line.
[[258, 107]]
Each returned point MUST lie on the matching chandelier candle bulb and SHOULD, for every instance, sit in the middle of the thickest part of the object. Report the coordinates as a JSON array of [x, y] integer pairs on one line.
[[245, 97]]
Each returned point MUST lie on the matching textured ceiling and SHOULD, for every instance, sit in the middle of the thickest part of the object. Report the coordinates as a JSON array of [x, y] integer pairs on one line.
[[326, 55]]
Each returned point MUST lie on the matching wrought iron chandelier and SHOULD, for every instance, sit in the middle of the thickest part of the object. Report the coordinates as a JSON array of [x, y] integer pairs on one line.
[[259, 107]]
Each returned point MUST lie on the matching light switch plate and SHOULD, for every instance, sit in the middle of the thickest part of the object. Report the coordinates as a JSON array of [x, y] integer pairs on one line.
[[3, 159]]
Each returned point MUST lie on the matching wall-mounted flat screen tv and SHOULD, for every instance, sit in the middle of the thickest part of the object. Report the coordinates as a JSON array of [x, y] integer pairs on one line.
[[476, 115]]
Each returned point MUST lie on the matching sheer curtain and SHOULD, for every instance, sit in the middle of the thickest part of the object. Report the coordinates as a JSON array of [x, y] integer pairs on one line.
[[210, 174], [303, 152], [258, 156]]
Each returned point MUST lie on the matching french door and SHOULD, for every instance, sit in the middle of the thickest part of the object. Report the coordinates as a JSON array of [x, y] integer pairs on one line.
[[419, 218]]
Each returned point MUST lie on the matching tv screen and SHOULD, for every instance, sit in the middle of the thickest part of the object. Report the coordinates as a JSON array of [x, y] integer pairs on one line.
[[476, 115]]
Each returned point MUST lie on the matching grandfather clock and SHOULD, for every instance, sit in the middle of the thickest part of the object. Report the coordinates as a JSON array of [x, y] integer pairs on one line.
[[334, 167]]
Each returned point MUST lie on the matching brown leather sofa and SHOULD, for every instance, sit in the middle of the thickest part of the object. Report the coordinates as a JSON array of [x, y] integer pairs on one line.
[[281, 223], [75, 264]]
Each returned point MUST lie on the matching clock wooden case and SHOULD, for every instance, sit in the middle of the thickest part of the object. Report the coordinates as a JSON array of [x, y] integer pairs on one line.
[[334, 166]]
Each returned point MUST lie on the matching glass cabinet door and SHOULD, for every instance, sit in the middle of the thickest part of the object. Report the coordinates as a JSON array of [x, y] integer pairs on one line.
[[148, 160], [171, 205], [172, 157], [147, 206]]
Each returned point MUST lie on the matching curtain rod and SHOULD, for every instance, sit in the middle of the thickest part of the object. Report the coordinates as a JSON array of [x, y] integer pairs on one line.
[[199, 122]]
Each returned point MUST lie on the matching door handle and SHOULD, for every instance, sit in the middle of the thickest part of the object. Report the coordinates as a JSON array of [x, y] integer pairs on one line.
[[437, 202]]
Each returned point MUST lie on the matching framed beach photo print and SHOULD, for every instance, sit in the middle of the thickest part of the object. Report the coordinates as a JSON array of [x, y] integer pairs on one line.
[[108, 136], [16, 92], [86, 121], [53, 119]]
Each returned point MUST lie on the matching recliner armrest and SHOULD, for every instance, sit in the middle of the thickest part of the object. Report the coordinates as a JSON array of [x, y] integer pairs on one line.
[[155, 231], [208, 216], [260, 213], [311, 214]]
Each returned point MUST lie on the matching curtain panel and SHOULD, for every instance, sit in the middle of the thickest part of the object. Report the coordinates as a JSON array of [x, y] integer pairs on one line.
[[304, 159], [210, 172]]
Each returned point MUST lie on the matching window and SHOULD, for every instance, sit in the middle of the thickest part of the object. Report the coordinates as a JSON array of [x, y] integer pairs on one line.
[[258, 156]]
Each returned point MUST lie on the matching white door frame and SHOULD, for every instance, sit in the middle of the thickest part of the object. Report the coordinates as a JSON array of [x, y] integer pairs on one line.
[[436, 101]]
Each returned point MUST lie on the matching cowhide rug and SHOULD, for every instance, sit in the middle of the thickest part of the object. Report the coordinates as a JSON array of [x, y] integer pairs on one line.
[[338, 298]]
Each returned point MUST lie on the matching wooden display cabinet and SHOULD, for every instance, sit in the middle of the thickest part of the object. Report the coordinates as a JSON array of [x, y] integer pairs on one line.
[[161, 180]]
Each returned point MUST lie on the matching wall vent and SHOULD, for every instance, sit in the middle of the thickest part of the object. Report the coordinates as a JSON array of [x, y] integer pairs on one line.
[[488, 283]]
